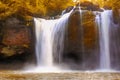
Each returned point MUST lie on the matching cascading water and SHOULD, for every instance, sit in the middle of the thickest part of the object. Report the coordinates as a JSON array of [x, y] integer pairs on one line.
[[49, 40], [44, 42], [103, 21], [44, 39]]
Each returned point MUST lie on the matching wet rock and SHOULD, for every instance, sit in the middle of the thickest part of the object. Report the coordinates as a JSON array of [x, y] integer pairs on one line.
[[116, 16], [89, 29], [81, 41], [57, 17], [67, 9], [73, 45], [107, 7]]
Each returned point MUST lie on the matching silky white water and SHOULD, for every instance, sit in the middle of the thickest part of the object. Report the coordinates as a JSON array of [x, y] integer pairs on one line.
[[44, 39], [103, 20], [49, 40]]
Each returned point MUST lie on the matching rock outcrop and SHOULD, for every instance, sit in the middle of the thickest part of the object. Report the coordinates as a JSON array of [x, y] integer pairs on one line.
[[106, 7], [16, 39], [67, 10], [81, 41]]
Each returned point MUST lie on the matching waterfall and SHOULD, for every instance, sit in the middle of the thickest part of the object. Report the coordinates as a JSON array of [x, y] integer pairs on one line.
[[44, 43], [103, 21], [44, 39], [49, 41]]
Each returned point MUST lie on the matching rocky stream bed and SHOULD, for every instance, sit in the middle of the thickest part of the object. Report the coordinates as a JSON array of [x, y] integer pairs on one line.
[[18, 75]]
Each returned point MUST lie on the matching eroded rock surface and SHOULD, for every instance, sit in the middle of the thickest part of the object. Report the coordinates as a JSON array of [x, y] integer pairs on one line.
[[15, 40]]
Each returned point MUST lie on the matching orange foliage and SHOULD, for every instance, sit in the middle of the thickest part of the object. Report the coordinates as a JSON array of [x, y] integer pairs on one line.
[[32, 7]]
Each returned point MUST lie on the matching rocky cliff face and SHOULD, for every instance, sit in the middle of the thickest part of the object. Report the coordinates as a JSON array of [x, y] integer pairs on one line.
[[15, 39]]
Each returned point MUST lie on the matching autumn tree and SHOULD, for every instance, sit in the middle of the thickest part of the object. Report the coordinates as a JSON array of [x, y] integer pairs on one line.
[[102, 3], [56, 6], [28, 8]]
